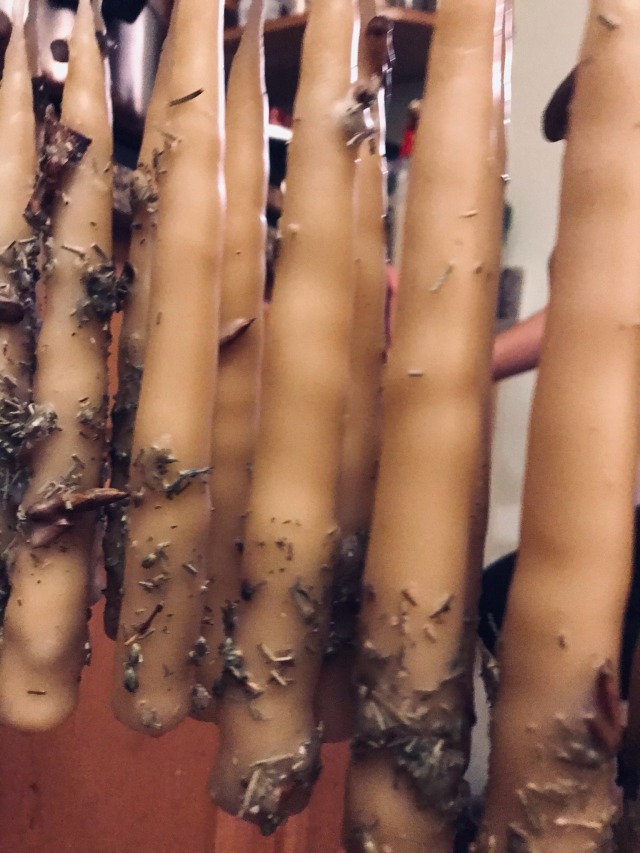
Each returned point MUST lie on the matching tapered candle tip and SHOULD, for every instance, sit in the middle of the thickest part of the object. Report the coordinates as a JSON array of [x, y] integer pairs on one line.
[[19, 12], [85, 11]]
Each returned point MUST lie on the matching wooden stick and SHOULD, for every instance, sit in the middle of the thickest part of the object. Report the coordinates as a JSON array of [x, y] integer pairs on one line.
[[405, 784], [45, 631], [269, 750], [557, 722], [170, 512]]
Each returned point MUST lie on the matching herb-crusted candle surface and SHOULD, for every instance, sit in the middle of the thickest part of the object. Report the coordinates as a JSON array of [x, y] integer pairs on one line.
[[18, 266], [45, 627], [335, 695], [557, 721], [133, 334], [405, 786], [169, 516], [235, 422], [269, 749]]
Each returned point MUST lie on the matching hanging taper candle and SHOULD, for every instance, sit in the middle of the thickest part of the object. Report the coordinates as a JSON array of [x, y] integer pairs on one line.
[[44, 645], [235, 421], [18, 251], [335, 697], [485, 329], [557, 721], [405, 785], [159, 643], [133, 334], [269, 749], [628, 827]]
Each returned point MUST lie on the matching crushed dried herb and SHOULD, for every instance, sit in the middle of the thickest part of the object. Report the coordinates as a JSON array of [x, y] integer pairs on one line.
[[62, 149]]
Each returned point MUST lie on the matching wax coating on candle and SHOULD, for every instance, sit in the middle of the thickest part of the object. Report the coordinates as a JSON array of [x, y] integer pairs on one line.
[[45, 633], [169, 515], [557, 721], [269, 750], [406, 786]]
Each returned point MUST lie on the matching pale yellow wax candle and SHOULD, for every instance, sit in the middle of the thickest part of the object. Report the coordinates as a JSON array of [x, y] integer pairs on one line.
[[557, 721], [45, 625], [405, 784], [335, 696], [17, 172], [269, 748], [159, 644], [133, 334], [235, 422]]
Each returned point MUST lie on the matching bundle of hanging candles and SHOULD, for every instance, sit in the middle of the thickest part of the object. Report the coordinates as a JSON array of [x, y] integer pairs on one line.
[[293, 511]]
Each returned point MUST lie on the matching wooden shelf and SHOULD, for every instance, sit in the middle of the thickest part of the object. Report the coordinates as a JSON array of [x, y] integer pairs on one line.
[[283, 40]]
